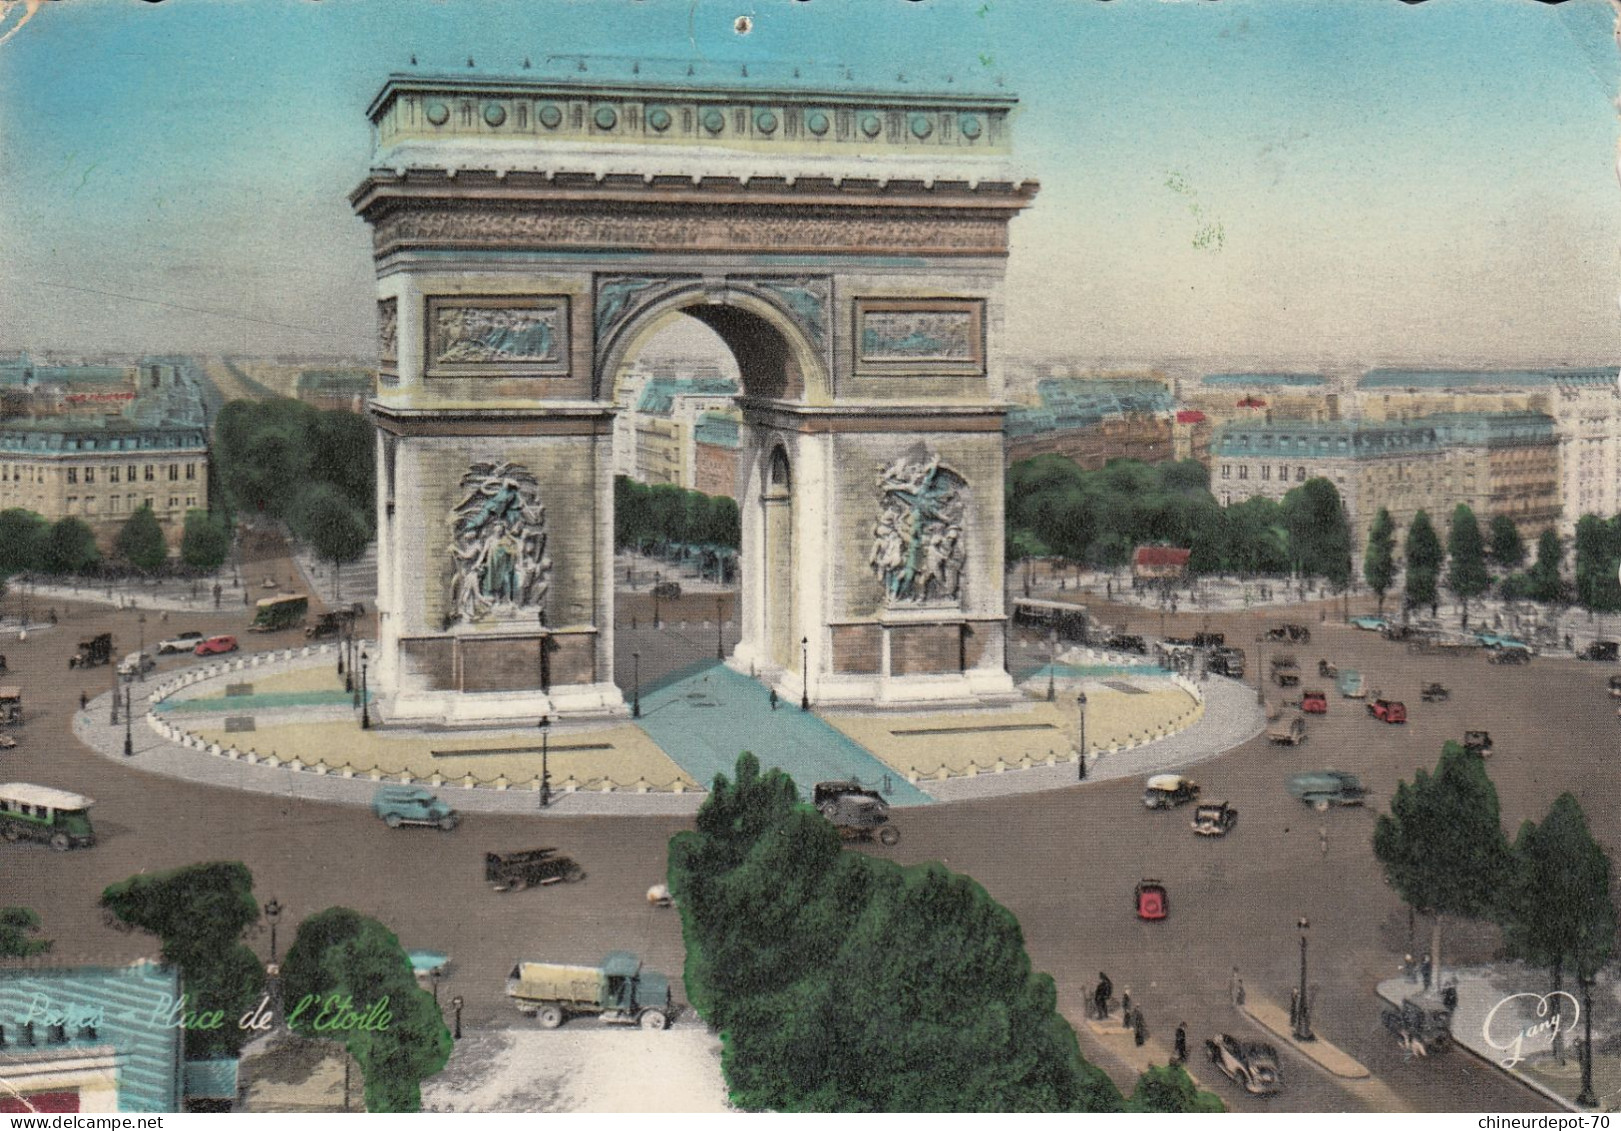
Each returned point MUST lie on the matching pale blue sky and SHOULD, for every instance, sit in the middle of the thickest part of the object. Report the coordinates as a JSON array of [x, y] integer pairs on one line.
[[1430, 183]]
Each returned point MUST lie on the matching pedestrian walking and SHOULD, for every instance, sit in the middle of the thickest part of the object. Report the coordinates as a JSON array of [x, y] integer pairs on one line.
[[1322, 838], [1449, 995], [1425, 970], [773, 698], [84, 700], [1182, 1043], [1139, 1029], [1240, 1000], [1409, 968], [1102, 994], [1235, 988], [1125, 1010]]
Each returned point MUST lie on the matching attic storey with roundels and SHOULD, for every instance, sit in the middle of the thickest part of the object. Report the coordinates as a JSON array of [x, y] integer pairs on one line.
[[846, 240]]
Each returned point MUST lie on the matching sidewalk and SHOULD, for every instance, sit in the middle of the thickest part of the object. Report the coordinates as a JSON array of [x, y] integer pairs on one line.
[[1497, 1020]]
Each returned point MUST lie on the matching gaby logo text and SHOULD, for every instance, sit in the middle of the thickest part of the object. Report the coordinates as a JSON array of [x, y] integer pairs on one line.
[[1530, 1018]]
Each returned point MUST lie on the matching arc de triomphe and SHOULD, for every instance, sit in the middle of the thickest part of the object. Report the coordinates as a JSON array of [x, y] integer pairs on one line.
[[847, 244]]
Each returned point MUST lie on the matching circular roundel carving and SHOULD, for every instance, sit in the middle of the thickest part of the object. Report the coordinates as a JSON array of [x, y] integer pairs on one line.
[[437, 113], [816, 122], [714, 121], [550, 116], [659, 118], [921, 126], [870, 125], [605, 118], [969, 125], [495, 113], [766, 122]]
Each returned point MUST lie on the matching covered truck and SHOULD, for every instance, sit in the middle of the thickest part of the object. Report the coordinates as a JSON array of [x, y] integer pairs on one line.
[[619, 991], [93, 652]]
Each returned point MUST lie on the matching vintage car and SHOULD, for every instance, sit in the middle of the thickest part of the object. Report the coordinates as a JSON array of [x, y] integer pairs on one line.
[[1209, 639], [1151, 900], [1214, 818], [179, 642], [1507, 654], [1293, 633], [412, 805], [1322, 788], [1350, 684], [1478, 742], [667, 591], [1253, 1065], [1314, 702], [1226, 661], [1499, 640], [1388, 710], [1167, 791], [11, 706], [1604, 651], [1615, 687], [1291, 733], [1370, 624], [1420, 1028], [1126, 642], [1327, 670], [215, 646], [7, 742], [514, 871], [1434, 693], [136, 663], [857, 812]]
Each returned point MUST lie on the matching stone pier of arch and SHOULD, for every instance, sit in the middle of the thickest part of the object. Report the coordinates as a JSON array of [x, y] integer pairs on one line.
[[849, 247]]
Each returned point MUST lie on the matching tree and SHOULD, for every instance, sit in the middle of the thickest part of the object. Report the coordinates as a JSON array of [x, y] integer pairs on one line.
[[1544, 581], [22, 540], [1507, 547], [1379, 563], [1597, 587], [1423, 563], [340, 954], [1319, 537], [332, 526], [69, 547], [844, 982], [140, 541], [1442, 844], [1168, 1089], [16, 925], [205, 543], [1466, 573], [200, 913]]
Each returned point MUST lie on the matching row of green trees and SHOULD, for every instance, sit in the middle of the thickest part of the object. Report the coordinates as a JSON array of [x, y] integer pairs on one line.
[[1054, 508], [201, 914], [646, 516], [1467, 562], [1443, 849], [312, 469], [30, 543], [844, 982]]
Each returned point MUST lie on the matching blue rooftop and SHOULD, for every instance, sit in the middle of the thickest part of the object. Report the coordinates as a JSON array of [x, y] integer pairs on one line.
[[718, 430], [125, 1008], [1267, 380], [1481, 378], [659, 394], [1068, 403]]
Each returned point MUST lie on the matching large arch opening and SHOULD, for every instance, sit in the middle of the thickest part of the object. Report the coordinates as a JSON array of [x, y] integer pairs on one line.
[[691, 380]]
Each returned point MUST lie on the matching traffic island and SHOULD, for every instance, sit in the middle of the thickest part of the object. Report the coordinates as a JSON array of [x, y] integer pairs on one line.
[[1320, 1052]]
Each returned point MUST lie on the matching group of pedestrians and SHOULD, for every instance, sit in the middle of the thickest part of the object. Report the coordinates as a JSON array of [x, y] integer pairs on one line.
[[1131, 1017]]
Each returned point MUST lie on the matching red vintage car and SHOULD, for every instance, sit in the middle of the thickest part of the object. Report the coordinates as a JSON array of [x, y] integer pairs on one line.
[[215, 645], [1388, 710], [1152, 902], [1314, 703]]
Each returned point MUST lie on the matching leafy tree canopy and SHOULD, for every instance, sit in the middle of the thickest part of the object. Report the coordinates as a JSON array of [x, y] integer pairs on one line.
[[18, 925], [69, 547], [1507, 547], [1379, 563], [1169, 1089], [205, 543], [1467, 576], [140, 541]]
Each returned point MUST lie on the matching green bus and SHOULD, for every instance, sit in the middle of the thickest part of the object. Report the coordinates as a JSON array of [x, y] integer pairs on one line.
[[276, 613], [38, 812]]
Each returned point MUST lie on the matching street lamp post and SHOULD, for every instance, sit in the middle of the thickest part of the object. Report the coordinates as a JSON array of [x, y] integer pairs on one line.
[[545, 655], [1080, 760], [129, 734], [545, 761], [434, 976], [636, 683], [343, 651], [1303, 1007], [657, 580], [351, 683], [365, 704], [272, 913], [140, 662], [720, 628], [1260, 668], [804, 678], [1586, 1097], [113, 721], [456, 1004]]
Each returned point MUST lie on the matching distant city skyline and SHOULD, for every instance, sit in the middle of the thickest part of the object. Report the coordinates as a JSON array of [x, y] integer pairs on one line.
[[1306, 185]]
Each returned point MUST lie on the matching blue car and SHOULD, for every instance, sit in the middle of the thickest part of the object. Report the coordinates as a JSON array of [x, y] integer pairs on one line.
[[1371, 624]]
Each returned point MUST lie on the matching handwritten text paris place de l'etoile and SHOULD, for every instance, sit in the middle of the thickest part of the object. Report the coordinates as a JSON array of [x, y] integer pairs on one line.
[[334, 1013]]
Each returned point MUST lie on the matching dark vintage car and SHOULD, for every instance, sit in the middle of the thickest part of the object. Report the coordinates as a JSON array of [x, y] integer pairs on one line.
[[1478, 742], [1507, 655], [857, 812], [1314, 702], [1604, 651], [1434, 693], [1167, 791], [1293, 633], [514, 871], [1214, 818], [667, 591], [1253, 1065], [1126, 642], [1420, 1028]]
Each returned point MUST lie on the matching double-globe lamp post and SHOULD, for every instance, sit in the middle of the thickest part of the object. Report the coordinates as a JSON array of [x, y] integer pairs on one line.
[[804, 677]]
